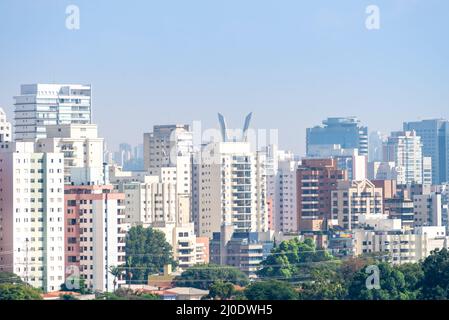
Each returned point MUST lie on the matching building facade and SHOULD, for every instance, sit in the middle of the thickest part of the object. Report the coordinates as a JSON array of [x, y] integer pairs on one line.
[[316, 179], [351, 199], [165, 144], [40, 105], [82, 149], [32, 215], [95, 232], [232, 188], [435, 139], [404, 148], [5, 128], [346, 132]]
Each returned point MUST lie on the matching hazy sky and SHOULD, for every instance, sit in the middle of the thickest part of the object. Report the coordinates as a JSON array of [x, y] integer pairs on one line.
[[292, 63]]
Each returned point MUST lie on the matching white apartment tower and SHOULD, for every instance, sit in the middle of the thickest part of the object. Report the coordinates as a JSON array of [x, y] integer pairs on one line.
[[281, 189], [405, 149], [32, 215], [232, 188], [40, 105], [5, 127]]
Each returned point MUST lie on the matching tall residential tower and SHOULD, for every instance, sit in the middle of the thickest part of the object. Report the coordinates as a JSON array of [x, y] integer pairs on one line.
[[39, 105]]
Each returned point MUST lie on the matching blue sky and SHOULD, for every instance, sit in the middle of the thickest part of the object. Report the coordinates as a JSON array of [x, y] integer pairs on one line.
[[291, 62]]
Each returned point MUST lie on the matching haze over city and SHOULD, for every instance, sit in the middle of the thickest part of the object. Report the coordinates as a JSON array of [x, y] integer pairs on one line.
[[292, 64]]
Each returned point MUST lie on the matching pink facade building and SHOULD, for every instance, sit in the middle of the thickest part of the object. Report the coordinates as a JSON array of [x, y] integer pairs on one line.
[[94, 234]]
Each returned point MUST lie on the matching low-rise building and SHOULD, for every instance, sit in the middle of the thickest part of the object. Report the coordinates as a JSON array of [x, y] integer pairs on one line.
[[386, 238], [243, 250]]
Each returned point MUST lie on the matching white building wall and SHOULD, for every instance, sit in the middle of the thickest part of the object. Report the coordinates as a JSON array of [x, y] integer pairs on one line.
[[5, 128], [32, 215], [82, 149], [232, 188], [39, 105]]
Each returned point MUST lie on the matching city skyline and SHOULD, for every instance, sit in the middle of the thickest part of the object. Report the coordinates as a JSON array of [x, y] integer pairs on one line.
[[224, 150], [198, 124], [188, 62]]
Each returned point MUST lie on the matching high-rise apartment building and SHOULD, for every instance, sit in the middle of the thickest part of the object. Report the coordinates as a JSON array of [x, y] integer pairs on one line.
[[347, 132], [281, 189], [284, 205], [376, 140], [5, 128], [427, 171], [95, 233], [168, 153], [82, 149], [404, 148], [153, 202], [316, 179], [165, 144], [435, 140], [40, 105], [32, 215], [428, 210], [351, 199], [232, 188]]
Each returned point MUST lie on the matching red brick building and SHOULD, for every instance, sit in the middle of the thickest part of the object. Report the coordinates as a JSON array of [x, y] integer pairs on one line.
[[316, 178]]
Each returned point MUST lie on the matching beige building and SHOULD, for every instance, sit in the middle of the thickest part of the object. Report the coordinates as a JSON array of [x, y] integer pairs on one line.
[[352, 199], [188, 249], [154, 201], [400, 247], [232, 188], [428, 210], [82, 149]]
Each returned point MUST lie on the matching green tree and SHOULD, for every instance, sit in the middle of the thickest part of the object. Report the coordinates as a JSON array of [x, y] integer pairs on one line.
[[116, 272], [326, 283], [435, 281], [350, 266], [124, 293], [221, 290], [392, 285], [10, 291], [203, 276], [413, 275], [77, 285], [147, 252], [294, 260], [9, 277], [270, 290]]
